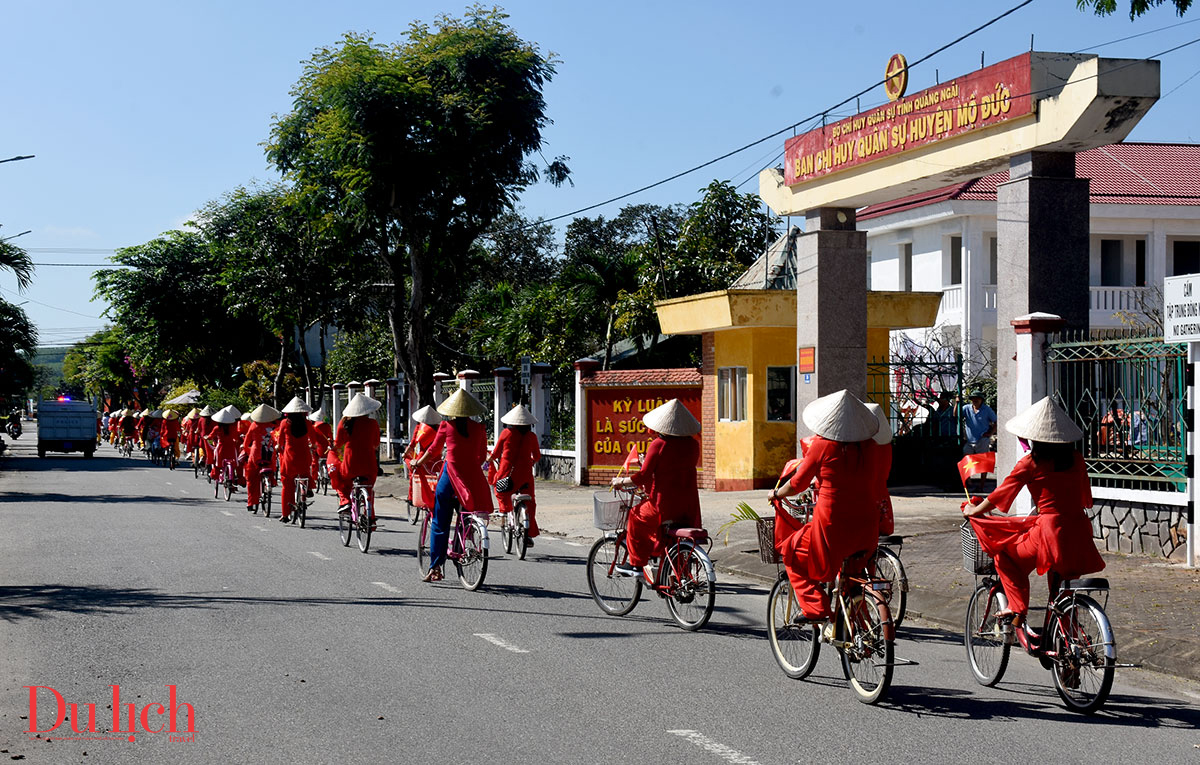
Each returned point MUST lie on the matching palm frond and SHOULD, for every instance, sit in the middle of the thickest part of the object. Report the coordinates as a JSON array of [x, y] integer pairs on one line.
[[743, 512]]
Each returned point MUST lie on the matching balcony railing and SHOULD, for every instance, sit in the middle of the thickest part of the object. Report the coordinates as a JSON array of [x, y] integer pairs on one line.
[[1112, 299], [952, 302], [989, 297]]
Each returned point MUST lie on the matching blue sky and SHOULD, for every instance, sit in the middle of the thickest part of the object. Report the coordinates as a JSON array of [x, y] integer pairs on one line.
[[141, 112]]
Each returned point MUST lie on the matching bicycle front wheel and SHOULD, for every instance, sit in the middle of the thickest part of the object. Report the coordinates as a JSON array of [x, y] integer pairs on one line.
[[794, 647], [868, 656], [889, 567], [985, 638], [423, 554], [615, 594], [690, 595], [472, 566], [1085, 654]]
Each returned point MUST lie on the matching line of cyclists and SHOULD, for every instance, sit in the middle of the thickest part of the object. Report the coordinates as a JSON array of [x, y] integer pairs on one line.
[[845, 465]]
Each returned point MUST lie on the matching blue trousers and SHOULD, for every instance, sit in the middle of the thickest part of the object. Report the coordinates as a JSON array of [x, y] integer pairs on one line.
[[445, 500]]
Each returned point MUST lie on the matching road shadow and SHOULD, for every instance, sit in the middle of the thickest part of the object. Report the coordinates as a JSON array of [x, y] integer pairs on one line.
[[533, 592], [17, 497], [1042, 704], [928, 635]]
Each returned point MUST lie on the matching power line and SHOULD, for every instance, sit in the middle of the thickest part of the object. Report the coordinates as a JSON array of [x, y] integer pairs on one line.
[[47, 305], [1140, 34], [817, 115], [83, 265]]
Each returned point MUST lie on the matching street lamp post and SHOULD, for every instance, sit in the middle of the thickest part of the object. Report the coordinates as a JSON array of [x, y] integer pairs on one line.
[[18, 158]]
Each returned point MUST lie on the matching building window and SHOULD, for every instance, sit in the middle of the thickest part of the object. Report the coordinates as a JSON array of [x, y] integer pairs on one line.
[[1139, 276], [731, 394], [1110, 262], [1185, 259], [993, 256], [781, 394], [906, 266], [956, 260]]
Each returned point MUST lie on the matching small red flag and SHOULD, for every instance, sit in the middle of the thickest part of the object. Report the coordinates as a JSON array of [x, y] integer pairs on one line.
[[805, 444], [976, 464], [632, 458]]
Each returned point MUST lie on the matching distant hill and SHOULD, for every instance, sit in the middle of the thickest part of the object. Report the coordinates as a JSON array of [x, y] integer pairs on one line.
[[51, 357]]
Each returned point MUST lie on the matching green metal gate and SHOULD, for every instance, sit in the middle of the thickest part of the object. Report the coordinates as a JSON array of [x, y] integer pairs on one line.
[[922, 399]]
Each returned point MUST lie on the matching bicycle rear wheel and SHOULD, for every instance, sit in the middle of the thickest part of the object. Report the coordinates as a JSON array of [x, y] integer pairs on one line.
[[889, 567], [986, 639], [1085, 654], [300, 511], [615, 594], [363, 528], [472, 566], [506, 530], [228, 486], [690, 595], [521, 530], [345, 528], [795, 647], [868, 655], [264, 496]]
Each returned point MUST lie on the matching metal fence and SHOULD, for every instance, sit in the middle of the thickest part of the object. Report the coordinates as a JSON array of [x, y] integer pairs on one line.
[[448, 387], [485, 391], [921, 398], [1128, 394], [560, 415]]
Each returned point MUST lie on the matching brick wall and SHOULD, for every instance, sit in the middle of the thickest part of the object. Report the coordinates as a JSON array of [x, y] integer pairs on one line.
[[708, 405]]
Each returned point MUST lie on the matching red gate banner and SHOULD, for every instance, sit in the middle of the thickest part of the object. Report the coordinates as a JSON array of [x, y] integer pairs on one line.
[[975, 101]]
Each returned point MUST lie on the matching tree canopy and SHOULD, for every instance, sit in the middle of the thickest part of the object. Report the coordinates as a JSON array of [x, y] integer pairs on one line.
[[1136, 7], [424, 144]]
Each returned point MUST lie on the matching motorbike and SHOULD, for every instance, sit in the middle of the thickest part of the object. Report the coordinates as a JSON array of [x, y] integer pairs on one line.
[[13, 428]]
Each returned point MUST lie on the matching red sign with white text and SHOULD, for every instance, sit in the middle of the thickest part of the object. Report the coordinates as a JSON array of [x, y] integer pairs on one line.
[[615, 424], [976, 101]]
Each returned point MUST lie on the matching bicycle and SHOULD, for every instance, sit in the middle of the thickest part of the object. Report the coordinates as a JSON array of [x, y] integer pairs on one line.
[[467, 547], [225, 479], [860, 626], [300, 501], [358, 522], [197, 462], [1076, 641], [266, 488], [323, 477], [889, 567], [172, 460], [685, 577], [127, 448], [514, 526]]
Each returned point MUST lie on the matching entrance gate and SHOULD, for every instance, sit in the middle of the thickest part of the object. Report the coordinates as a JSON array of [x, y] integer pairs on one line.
[[926, 432]]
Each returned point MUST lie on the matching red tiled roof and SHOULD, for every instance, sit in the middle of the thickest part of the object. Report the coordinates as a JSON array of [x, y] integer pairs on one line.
[[1123, 173], [641, 377]]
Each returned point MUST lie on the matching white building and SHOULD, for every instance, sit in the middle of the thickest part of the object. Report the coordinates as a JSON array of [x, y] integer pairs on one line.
[[1145, 225]]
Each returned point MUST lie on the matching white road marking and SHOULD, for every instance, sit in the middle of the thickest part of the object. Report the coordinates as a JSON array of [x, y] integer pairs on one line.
[[183, 491], [322, 556], [170, 484], [500, 642], [385, 586], [713, 747], [260, 528], [574, 544], [226, 512]]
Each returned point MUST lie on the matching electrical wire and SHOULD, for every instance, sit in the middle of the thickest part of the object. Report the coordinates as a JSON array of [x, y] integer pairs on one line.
[[47, 305], [1140, 34]]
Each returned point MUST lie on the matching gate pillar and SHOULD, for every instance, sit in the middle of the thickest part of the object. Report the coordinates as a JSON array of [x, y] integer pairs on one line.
[[1043, 252], [1029, 386], [831, 306]]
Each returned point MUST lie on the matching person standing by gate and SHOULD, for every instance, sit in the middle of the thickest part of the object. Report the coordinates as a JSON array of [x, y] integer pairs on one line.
[[979, 425]]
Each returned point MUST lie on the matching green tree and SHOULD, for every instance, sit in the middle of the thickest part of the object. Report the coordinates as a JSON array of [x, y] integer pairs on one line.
[[288, 266], [101, 365], [362, 355], [18, 343], [424, 143], [170, 307], [1136, 7]]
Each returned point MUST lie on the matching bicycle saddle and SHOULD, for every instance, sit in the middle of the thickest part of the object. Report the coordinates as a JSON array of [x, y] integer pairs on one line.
[[521, 497], [1095, 583], [894, 539], [696, 535]]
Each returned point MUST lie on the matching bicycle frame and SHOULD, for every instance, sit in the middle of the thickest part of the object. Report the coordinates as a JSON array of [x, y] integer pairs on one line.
[[457, 547]]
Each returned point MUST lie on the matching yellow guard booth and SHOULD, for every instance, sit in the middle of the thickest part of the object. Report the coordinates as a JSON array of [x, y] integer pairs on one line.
[[753, 330]]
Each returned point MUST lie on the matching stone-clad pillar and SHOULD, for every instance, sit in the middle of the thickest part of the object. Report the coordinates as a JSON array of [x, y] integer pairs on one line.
[[1042, 225], [1029, 385], [831, 305]]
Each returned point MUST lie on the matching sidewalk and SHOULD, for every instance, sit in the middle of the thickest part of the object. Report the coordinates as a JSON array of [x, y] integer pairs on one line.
[[1152, 605]]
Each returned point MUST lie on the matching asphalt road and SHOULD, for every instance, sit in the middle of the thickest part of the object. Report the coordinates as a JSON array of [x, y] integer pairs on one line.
[[292, 648]]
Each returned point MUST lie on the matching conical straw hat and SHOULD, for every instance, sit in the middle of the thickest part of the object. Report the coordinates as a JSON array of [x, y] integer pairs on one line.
[[265, 413], [361, 404], [519, 415], [245, 417], [672, 419], [145, 413], [228, 415], [840, 417], [297, 406], [170, 414], [156, 414], [884, 436], [1046, 422], [192, 414], [427, 415], [207, 411], [461, 404], [318, 416]]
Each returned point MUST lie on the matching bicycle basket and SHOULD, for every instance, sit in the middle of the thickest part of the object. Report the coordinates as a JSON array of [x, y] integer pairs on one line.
[[975, 560], [766, 540], [424, 486], [608, 510]]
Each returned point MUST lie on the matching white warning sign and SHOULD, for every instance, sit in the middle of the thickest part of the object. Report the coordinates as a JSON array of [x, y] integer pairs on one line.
[[1181, 309]]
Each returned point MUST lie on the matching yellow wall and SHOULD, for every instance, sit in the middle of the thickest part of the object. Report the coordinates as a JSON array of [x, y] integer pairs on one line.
[[754, 448]]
